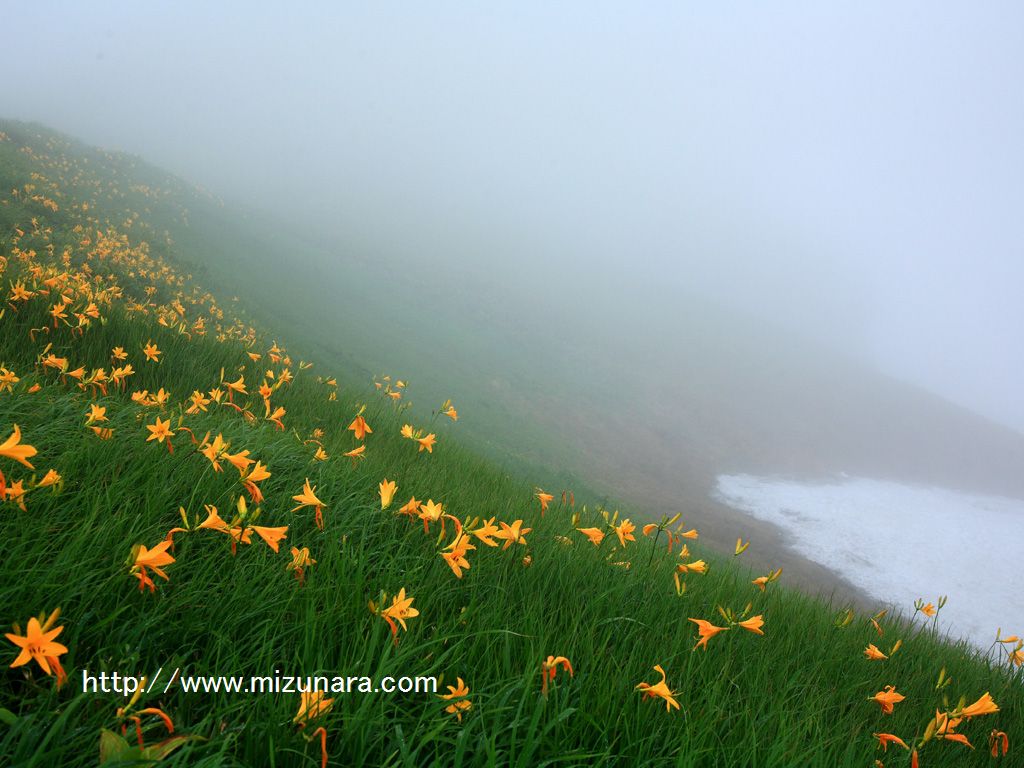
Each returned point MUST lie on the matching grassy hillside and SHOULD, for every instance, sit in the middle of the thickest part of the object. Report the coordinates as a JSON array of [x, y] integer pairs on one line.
[[98, 277]]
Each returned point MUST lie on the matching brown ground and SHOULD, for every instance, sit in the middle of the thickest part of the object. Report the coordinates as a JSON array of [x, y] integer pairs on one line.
[[719, 526]]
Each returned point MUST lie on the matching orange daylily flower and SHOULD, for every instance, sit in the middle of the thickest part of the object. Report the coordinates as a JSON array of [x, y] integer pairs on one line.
[[596, 535], [451, 413], [199, 402], [160, 431], [928, 610], [236, 386], [387, 492], [513, 534], [300, 561], [160, 397], [275, 417], [697, 566], [16, 492], [407, 431], [98, 379], [120, 375], [624, 531], [762, 581], [360, 428], [959, 738], [873, 653], [885, 739], [455, 554], [13, 493], [753, 624], [659, 690], [430, 513], [399, 610], [213, 451], [238, 535], [38, 643], [151, 558], [272, 536], [257, 474], [13, 448], [19, 292], [457, 695], [313, 705], [544, 499], [887, 699], [52, 477], [707, 630], [412, 508], [983, 706], [96, 414], [549, 667], [213, 520], [57, 311], [151, 352], [7, 379], [944, 726], [239, 461], [144, 398], [357, 453], [427, 443], [118, 353], [486, 532], [308, 499], [52, 361]]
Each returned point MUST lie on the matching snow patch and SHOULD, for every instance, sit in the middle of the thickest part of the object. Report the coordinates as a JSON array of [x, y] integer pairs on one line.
[[903, 542]]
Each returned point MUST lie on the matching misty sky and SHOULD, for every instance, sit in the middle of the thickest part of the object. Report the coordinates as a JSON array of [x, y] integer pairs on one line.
[[851, 170]]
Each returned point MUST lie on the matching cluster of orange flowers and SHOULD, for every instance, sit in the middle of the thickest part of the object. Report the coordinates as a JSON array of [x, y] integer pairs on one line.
[[943, 726], [15, 491], [490, 531]]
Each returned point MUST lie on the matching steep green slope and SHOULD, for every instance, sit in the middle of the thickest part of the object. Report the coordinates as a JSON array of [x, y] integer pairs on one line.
[[89, 271]]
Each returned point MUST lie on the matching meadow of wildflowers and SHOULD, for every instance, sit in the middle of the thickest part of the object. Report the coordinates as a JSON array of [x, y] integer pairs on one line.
[[182, 491]]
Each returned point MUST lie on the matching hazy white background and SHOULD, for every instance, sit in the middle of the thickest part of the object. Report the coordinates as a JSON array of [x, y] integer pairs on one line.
[[853, 171]]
